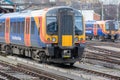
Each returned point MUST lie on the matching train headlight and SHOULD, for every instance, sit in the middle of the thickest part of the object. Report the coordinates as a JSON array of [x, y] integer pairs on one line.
[[76, 39], [53, 39], [48, 39], [81, 39]]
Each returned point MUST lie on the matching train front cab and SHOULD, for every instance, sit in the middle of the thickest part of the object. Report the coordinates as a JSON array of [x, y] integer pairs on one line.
[[112, 30], [64, 35], [109, 30]]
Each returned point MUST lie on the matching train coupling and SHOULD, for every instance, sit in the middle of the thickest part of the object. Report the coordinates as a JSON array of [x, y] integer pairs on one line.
[[112, 37], [66, 54]]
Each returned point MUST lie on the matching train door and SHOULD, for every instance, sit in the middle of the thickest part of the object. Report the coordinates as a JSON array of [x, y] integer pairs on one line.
[[27, 31], [95, 29], [65, 27], [7, 30], [34, 33]]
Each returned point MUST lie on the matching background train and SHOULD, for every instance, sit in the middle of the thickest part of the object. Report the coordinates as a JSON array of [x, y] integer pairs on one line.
[[48, 35], [103, 30]]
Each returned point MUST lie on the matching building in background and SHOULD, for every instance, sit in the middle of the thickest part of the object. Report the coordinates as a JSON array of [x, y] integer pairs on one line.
[[89, 1], [90, 15], [5, 8]]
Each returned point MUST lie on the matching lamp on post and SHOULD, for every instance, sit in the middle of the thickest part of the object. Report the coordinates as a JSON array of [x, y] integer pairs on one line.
[[102, 10]]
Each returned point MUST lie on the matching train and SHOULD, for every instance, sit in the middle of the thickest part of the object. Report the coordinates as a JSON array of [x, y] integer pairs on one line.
[[54, 34], [89, 30], [103, 30]]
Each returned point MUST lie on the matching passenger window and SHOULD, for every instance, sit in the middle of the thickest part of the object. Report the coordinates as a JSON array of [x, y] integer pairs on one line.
[[33, 27], [22, 27], [1, 27], [14, 25], [18, 27]]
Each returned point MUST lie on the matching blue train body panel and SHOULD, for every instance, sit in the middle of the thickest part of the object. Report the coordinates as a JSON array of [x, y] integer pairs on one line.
[[16, 31], [89, 28], [99, 32], [35, 38], [2, 30], [17, 26]]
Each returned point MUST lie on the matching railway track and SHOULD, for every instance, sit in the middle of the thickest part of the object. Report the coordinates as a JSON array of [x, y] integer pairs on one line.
[[69, 70], [99, 43], [93, 47], [55, 77], [9, 72], [112, 77], [102, 56], [33, 73], [96, 53], [84, 68]]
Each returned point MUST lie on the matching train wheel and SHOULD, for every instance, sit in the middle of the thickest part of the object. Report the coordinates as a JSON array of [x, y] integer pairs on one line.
[[113, 40], [42, 57], [71, 64], [90, 38], [39, 57], [35, 56], [8, 50], [101, 38]]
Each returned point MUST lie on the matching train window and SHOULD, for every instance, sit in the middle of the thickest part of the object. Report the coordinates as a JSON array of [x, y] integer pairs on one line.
[[52, 27], [116, 25], [107, 26], [22, 27], [78, 25], [14, 25], [1, 27], [98, 26], [89, 26], [18, 27], [11, 27], [32, 27]]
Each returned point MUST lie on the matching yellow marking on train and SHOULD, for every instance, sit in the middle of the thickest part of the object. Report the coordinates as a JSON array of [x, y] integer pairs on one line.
[[66, 56], [67, 40], [37, 21]]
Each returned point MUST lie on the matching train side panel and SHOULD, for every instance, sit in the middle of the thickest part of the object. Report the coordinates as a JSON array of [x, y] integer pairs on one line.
[[36, 23], [101, 29], [17, 31], [2, 30], [90, 31]]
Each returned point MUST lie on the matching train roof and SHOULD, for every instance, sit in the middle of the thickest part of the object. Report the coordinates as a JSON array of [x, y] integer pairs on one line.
[[32, 13], [23, 13]]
